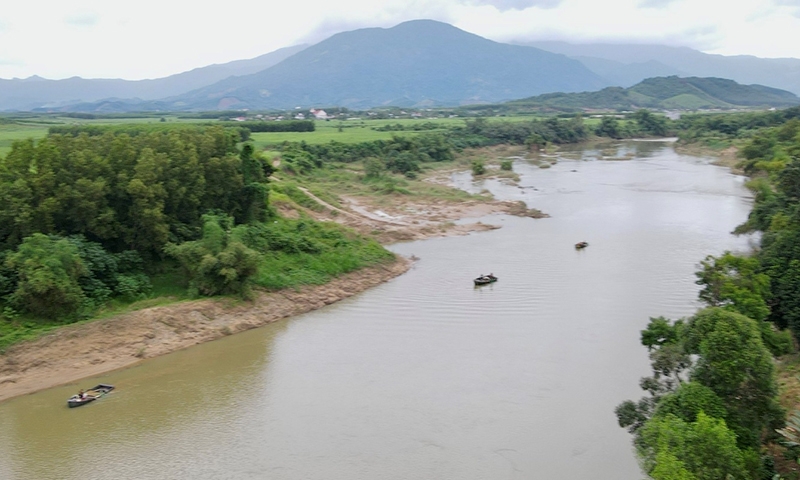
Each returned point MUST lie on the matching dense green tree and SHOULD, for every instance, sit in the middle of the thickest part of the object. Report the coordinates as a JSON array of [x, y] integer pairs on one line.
[[609, 127], [138, 189], [220, 262], [733, 362], [49, 273], [689, 400], [705, 449], [735, 283], [650, 123]]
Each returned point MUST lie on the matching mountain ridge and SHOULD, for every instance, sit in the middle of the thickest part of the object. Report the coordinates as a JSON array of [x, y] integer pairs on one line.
[[414, 63], [783, 73], [673, 92]]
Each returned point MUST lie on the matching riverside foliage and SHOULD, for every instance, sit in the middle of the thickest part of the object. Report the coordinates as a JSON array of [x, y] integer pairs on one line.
[[712, 399], [90, 219]]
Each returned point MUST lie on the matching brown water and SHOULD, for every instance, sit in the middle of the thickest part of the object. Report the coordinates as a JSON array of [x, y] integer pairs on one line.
[[426, 377]]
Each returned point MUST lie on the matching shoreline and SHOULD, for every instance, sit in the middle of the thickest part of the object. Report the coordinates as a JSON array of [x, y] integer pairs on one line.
[[79, 351]]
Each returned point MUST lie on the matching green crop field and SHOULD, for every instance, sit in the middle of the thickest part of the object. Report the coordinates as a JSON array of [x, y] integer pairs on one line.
[[11, 132], [363, 130], [345, 131]]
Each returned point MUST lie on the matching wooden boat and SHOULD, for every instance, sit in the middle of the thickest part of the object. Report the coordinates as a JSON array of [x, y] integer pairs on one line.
[[581, 245], [89, 395], [485, 279]]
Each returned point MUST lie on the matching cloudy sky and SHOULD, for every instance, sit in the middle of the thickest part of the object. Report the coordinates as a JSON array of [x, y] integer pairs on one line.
[[155, 38]]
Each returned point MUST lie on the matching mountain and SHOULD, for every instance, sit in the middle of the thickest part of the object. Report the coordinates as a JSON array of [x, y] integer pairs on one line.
[[626, 65], [416, 63], [36, 92], [668, 93]]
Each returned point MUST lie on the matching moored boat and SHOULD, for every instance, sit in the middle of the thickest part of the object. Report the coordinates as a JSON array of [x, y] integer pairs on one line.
[[89, 395]]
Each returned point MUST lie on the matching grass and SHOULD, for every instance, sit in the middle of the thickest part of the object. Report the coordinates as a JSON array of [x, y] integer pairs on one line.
[[334, 179], [9, 133], [363, 130], [345, 131]]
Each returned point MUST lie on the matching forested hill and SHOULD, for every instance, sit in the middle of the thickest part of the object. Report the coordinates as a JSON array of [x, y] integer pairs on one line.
[[420, 62], [669, 93]]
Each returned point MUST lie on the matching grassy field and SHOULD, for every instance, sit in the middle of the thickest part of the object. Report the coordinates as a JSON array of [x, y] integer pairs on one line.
[[12, 132], [362, 130], [345, 131]]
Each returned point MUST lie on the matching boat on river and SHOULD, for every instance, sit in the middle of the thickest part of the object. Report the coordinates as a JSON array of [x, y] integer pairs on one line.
[[485, 279], [581, 245], [89, 395]]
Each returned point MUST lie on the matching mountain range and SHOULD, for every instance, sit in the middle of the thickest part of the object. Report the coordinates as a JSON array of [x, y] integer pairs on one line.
[[667, 93], [626, 65], [39, 93], [417, 63]]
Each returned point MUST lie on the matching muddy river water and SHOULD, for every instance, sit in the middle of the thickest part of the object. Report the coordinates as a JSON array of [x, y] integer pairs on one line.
[[427, 377]]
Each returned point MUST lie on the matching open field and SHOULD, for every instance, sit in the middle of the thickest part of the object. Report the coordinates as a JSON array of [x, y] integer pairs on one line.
[[10, 133], [364, 130], [345, 131]]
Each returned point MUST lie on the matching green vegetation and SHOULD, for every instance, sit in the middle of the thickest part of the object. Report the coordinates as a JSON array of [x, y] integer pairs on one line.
[[92, 221], [665, 93], [714, 389]]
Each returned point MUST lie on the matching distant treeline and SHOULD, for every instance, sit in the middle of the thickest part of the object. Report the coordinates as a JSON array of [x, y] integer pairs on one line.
[[406, 154], [414, 127], [731, 125], [131, 129], [275, 126]]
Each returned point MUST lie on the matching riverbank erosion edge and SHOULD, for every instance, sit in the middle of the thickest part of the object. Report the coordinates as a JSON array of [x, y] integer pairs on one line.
[[79, 351]]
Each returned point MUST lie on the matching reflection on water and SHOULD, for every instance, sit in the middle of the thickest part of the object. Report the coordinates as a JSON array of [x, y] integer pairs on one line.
[[426, 376]]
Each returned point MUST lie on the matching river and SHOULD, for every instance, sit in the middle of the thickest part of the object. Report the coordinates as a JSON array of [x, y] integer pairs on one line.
[[427, 377]]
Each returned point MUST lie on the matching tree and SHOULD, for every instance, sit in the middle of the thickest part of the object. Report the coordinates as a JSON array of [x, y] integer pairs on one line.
[[668, 360], [373, 167], [478, 168], [734, 363], [650, 123], [673, 449], [735, 283], [689, 400], [609, 127], [220, 262], [49, 272]]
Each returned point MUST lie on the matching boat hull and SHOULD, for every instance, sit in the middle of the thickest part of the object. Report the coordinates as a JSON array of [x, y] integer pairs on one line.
[[89, 396]]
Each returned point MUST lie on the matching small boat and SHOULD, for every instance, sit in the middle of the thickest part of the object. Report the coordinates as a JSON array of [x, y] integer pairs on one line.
[[89, 395], [485, 279], [581, 245]]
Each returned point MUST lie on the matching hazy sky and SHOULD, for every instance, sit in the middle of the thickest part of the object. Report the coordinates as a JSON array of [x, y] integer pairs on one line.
[[155, 38]]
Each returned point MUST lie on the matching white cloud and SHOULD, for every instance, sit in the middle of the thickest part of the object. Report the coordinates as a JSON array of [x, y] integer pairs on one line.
[[82, 19], [792, 5], [655, 3], [155, 38], [503, 5]]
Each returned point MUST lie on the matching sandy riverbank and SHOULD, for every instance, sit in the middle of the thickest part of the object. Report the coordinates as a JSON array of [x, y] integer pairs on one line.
[[79, 351]]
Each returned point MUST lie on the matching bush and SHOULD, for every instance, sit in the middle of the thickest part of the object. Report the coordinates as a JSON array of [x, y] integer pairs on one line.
[[478, 168], [219, 263]]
